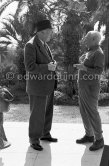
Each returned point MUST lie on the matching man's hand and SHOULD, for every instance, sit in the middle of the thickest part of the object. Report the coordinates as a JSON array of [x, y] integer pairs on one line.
[[80, 67], [52, 66]]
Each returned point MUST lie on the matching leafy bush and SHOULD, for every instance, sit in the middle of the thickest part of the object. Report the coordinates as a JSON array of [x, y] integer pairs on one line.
[[104, 99], [63, 99], [9, 78], [8, 75], [104, 86]]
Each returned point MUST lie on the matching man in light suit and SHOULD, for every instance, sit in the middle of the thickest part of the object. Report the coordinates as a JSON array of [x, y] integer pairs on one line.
[[40, 67]]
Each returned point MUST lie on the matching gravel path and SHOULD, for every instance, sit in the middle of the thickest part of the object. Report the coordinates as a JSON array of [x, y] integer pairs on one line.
[[62, 114]]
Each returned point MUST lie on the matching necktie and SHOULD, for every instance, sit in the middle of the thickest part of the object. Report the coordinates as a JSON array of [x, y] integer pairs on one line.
[[48, 51]]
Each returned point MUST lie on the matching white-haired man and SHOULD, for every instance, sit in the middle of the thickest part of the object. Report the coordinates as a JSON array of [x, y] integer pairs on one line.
[[90, 69]]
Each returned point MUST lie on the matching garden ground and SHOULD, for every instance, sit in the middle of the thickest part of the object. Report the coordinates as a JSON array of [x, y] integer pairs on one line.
[[62, 114]]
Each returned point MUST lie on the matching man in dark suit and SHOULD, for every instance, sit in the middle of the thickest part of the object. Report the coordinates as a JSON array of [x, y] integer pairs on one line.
[[40, 67]]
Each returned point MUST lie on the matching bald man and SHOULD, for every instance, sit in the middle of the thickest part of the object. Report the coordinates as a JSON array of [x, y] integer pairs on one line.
[[90, 70]]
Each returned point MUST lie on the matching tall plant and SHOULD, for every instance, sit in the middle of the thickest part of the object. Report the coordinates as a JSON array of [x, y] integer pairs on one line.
[[72, 33]]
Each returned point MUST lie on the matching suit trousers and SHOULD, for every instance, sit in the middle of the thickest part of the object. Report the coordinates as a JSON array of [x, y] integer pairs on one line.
[[41, 114], [88, 103]]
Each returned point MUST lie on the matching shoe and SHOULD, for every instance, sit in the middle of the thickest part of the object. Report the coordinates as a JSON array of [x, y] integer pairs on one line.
[[98, 144], [49, 139], [37, 147], [85, 139]]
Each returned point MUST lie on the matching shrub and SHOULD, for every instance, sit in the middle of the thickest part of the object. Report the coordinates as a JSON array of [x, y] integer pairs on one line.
[[104, 99], [61, 98], [104, 86], [8, 75]]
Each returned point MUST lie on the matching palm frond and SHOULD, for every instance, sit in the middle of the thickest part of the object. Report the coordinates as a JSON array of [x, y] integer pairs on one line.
[[7, 39], [4, 36], [22, 8], [14, 30], [4, 33], [3, 49], [14, 23], [4, 5], [5, 42], [10, 30]]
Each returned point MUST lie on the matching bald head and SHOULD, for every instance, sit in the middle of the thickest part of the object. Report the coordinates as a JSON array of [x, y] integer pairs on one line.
[[93, 38]]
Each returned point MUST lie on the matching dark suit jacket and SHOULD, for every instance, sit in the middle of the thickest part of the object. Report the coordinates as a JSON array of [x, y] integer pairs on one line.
[[40, 81]]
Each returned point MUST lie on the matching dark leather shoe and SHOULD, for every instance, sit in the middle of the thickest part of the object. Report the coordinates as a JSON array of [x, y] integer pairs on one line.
[[85, 139], [98, 144], [37, 147], [49, 139]]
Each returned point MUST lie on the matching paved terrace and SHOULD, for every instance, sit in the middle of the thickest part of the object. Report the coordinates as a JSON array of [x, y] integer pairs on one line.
[[64, 153]]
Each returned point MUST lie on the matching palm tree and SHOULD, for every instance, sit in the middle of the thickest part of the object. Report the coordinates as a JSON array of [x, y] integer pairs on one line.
[[72, 34], [12, 41], [12, 35], [19, 27], [25, 12]]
